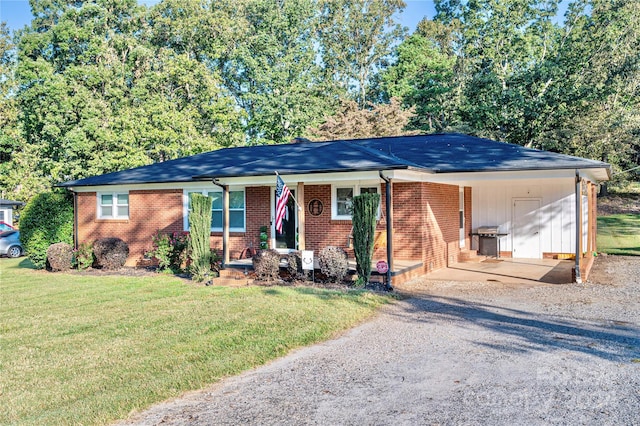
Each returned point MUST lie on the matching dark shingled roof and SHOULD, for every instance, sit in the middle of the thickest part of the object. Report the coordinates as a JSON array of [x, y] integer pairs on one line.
[[440, 153]]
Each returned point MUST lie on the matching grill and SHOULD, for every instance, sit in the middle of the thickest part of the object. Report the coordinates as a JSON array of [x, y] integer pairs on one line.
[[489, 241]]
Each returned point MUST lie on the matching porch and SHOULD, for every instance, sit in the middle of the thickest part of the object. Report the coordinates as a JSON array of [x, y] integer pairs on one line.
[[508, 270]]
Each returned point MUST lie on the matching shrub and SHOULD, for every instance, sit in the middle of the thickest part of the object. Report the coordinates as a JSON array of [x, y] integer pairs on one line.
[[111, 253], [294, 265], [170, 250], [199, 243], [47, 219], [84, 256], [365, 210], [266, 265], [333, 263], [60, 256], [216, 262]]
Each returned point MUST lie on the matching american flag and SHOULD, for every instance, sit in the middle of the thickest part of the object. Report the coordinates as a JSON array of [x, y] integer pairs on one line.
[[282, 196]]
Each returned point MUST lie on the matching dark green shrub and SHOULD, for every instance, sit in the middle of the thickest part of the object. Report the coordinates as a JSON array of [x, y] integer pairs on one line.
[[60, 257], [111, 253], [47, 219], [199, 243], [333, 263], [365, 211], [266, 265]]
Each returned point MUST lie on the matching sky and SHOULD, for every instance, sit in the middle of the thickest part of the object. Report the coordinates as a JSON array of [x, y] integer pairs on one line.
[[17, 13]]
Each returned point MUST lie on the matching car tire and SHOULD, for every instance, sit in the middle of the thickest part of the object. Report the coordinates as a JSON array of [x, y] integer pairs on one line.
[[14, 251]]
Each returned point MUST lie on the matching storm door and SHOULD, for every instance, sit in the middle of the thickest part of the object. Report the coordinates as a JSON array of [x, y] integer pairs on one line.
[[287, 239]]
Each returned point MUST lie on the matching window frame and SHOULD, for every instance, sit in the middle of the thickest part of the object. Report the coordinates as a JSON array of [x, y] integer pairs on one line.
[[114, 206], [207, 191], [357, 188]]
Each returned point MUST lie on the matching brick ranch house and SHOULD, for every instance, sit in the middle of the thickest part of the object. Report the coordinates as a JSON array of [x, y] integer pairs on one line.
[[436, 191]]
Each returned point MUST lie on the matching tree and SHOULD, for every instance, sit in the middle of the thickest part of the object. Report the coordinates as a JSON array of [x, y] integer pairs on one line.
[[96, 96], [365, 211], [351, 122], [597, 95], [356, 39], [423, 77], [273, 73]]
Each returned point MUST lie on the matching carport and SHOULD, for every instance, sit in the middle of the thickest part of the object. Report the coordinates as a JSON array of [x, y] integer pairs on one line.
[[513, 271]]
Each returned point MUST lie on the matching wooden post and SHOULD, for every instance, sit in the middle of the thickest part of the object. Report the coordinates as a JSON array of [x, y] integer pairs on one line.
[[578, 219], [301, 217]]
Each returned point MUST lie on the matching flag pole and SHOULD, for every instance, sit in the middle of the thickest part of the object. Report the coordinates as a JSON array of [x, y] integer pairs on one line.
[[294, 198]]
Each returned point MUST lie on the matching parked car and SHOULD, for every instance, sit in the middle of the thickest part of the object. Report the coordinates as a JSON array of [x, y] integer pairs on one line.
[[10, 244], [4, 226]]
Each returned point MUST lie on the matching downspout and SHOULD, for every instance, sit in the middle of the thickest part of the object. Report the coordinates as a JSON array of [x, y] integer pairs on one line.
[[225, 221], [75, 218], [578, 226], [389, 211]]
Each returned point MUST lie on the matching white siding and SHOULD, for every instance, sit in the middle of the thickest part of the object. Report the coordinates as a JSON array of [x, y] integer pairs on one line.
[[493, 205]]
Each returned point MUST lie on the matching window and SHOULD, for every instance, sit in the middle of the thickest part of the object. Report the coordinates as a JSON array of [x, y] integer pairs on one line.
[[236, 210], [113, 206], [343, 196]]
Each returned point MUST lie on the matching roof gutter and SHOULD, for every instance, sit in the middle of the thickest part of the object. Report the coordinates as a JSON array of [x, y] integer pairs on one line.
[[389, 212]]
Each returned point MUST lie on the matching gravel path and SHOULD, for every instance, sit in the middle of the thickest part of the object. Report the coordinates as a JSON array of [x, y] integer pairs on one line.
[[454, 353]]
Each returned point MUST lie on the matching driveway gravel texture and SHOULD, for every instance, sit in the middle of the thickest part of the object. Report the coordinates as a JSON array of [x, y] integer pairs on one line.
[[453, 353]]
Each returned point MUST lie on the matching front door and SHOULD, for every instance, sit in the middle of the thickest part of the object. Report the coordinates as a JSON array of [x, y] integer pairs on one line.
[[287, 240], [526, 229]]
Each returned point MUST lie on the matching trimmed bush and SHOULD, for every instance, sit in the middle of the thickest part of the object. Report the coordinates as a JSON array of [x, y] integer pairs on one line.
[[365, 211], [333, 263], [111, 253], [199, 243], [47, 219], [266, 265], [60, 257], [294, 265]]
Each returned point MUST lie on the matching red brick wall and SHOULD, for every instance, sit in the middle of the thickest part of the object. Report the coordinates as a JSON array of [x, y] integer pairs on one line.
[[408, 224], [148, 212], [425, 221], [441, 245], [321, 230]]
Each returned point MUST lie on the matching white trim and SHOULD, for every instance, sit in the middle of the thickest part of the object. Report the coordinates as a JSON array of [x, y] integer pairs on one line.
[[114, 207], [206, 191], [356, 185]]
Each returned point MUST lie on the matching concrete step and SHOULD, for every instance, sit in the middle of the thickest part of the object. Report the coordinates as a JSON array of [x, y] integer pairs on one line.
[[470, 256]]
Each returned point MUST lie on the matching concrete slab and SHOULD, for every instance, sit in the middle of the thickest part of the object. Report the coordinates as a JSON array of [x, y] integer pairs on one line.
[[518, 271]]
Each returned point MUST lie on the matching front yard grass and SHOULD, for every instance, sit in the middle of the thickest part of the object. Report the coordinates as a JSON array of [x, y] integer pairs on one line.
[[619, 234], [90, 350]]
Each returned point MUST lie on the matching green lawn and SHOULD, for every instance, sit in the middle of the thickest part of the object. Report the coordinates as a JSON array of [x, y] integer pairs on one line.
[[90, 350], [619, 234]]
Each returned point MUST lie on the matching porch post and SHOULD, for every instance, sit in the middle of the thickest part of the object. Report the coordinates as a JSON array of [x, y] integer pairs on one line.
[[225, 225], [389, 211], [301, 217], [225, 221], [578, 195]]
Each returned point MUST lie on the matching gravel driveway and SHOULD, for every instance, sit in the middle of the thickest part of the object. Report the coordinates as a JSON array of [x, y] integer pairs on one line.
[[454, 353]]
